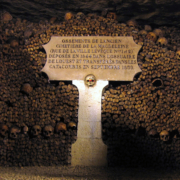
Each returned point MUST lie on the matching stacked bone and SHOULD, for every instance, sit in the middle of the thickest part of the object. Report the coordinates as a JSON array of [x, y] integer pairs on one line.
[[136, 116], [146, 108]]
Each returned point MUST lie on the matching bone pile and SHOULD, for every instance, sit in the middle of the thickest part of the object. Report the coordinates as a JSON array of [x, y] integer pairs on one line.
[[38, 118]]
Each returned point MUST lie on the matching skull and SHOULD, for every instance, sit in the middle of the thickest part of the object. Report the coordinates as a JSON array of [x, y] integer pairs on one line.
[[72, 124], [122, 24], [6, 48], [25, 130], [178, 54], [143, 32], [3, 130], [80, 15], [14, 132], [152, 133], [158, 32], [14, 43], [68, 16], [28, 33], [48, 131], [90, 80], [60, 127], [131, 23], [164, 136], [26, 88], [112, 15], [36, 130], [151, 36], [162, 41], [147, 28], [6, 16]]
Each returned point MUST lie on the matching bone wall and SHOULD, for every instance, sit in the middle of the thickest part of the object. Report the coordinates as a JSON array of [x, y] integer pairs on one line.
[[134, 114]]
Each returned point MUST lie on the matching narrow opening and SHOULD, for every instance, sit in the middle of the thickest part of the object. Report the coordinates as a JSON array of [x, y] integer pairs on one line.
[[157, 82]]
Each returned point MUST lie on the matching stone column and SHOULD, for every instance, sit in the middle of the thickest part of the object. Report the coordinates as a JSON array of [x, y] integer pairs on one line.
[[89, 149]]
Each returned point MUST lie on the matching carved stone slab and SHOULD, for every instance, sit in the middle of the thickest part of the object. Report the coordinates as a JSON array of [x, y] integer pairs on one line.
[[96, 59], [107, 58]]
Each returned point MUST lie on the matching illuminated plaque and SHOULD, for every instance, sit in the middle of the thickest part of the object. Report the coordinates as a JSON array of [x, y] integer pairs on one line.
[[107, 58]]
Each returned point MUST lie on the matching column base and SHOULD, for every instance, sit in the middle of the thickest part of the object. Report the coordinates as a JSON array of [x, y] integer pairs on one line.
[[89, 152]]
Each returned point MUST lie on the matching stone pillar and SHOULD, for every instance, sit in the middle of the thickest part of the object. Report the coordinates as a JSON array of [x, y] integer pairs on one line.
[[89, 149]]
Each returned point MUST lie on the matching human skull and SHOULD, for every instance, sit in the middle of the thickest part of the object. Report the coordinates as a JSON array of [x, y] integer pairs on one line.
[[25, 130], [162, 41], [68, 16], [152, 133], [26, 88], [6, 48], [131, 23], [28, 33], [143, 32], [36, 130], [164, 136], [60, 127], [3, 130], [80, 15], [178, 54], [148, 28], [111, 15], [158, 32], [6, 16], [151, 36], [48, 131], [14, 43], [72, 124], [14, 132], [90, 80]]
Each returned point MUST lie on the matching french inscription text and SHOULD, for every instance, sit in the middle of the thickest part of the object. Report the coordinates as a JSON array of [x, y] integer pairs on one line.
[[98, 55]]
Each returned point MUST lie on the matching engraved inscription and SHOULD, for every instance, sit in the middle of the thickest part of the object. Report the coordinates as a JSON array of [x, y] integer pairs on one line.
[[108, 58]]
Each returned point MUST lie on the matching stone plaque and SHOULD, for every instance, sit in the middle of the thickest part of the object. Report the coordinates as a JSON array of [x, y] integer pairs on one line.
[[90, 62], [107, 58]]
